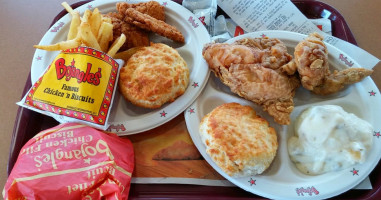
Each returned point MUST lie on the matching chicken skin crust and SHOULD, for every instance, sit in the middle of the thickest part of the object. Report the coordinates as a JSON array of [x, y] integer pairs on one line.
[[251, 67]]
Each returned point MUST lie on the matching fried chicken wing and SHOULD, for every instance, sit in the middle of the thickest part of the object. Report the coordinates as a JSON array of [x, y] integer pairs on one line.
[[311, 62], [251, 68], [338, 79]]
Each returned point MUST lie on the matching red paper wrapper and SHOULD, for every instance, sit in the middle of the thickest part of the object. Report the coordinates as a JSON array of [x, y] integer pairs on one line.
[[72, 161]]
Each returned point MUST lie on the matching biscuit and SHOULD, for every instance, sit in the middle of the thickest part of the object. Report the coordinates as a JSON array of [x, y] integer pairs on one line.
[[238, 141], [153, 76]]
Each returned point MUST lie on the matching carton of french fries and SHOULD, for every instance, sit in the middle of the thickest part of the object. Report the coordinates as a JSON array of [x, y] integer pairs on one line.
[[80, 83]]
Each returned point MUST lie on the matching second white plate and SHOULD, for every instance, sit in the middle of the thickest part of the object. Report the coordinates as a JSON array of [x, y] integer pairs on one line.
[[282, 180], [125, 117]]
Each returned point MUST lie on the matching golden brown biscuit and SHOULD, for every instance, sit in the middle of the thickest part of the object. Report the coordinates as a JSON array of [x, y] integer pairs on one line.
[[238, 141], [153, 76]]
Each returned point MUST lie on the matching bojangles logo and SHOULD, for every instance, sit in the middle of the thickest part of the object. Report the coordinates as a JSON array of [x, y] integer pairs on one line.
[[71, 71]]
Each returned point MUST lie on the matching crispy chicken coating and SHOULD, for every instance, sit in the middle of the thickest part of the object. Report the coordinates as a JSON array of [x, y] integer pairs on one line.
[[134, 35], [311, 62], [336, 81], [146, 22], [251, 67], [151, 8]]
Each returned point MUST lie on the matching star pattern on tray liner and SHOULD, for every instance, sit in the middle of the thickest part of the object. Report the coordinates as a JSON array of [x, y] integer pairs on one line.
[[191, 110]]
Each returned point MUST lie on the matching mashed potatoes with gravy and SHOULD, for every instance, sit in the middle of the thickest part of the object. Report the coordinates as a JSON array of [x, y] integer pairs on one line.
[[327, 138]]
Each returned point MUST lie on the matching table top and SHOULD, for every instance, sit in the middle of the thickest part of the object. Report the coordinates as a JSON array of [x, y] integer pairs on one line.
[[22, 27]]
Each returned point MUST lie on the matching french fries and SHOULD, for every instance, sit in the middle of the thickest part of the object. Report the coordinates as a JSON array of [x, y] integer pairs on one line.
[[91, 30], [116, 45], [68, 44], [95, 21], [87, 36], [75, 22], [105, 35]]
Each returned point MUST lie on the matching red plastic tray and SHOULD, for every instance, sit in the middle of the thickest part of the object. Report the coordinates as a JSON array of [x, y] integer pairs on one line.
[[29, 123]]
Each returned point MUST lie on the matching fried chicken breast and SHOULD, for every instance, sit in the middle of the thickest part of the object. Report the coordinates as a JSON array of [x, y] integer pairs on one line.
[[251, 67]]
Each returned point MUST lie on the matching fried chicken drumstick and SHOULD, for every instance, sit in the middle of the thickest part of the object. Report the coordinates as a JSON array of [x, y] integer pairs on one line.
[[251, 68]]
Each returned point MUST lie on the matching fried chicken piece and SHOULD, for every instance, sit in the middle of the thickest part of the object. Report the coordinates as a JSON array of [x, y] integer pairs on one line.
[[134, 36], [151, 8], [311, 62], [338, 79], [275, 55], [251, 68], [149, 23]]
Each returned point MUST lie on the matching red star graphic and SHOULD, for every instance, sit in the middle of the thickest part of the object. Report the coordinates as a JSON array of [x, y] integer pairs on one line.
[[165, 3], [252, 182], [89, 6], [377, 134], [355, 172], [191, 110], [372, 93], [263, 35], [73, 62], [38, 58], [163, 114], [195, 84]]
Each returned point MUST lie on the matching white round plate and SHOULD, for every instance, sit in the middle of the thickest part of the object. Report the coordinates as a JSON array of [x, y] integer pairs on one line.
[[126, 118], [282, 180]]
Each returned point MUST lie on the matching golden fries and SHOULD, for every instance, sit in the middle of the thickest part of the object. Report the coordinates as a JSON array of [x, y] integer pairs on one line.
[[95, 21], [105, 35], [68, 44], [116, 45], [86, 16], [75, 22], [67, 7], [87, 36], [91, 30]]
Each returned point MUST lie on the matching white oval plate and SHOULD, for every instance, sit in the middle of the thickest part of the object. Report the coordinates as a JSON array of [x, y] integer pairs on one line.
[[125, 118], [282, 180]]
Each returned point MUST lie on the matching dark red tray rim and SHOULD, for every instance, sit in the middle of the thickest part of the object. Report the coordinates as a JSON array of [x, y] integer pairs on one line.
[[29, 123]]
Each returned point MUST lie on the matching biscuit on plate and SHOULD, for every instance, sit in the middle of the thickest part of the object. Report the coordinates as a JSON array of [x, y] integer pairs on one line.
[[238, 141], [153, 76]]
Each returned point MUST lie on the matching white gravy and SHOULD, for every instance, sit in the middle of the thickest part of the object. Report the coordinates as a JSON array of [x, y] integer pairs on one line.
[[327, 138]]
